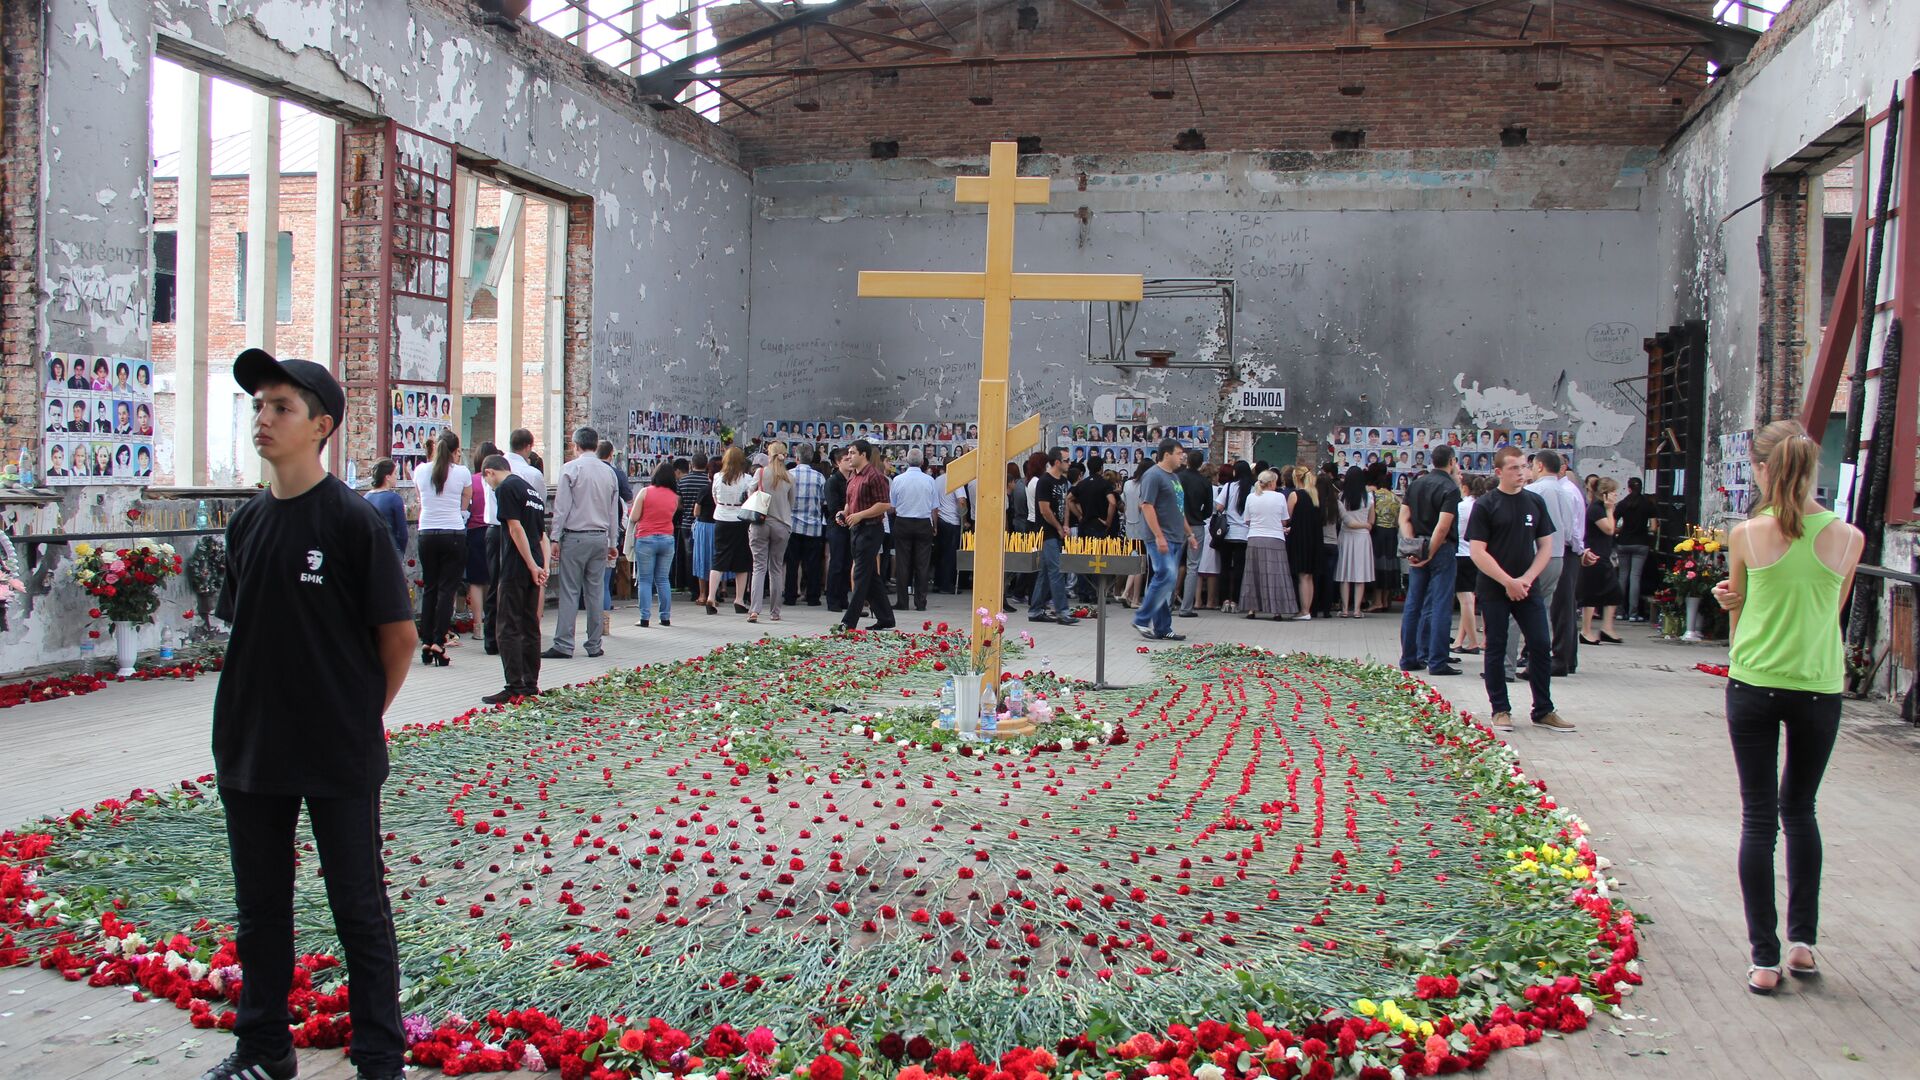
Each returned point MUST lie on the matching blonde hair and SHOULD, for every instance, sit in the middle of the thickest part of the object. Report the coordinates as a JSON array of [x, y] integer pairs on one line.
[[1267, 480], [1604, 487], [1305, 481], [1791, 459], [733, 464], [774, 474]]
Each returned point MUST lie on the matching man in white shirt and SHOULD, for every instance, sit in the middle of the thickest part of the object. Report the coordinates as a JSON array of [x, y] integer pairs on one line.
[[916, 499], [946, 538], [583, 527], [1564, 612]]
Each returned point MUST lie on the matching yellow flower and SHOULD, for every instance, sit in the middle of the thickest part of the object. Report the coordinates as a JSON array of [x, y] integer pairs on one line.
[[1581, 873], [1366, 1008], [1712, 546], [83, 549], [1426, 1029], [1684, 545]]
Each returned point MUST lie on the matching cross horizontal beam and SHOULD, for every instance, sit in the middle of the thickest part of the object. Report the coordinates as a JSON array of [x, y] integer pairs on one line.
[[1022, 438], [951, 285]]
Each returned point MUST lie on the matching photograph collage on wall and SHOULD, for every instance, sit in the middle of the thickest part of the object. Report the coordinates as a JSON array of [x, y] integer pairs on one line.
[[1126, 445], [97, 412], [654, 436], [1405, 448], [418, 415], [939, 440], [1736, 471]]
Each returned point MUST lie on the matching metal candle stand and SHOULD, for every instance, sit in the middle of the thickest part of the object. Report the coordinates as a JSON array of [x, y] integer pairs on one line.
[[1102, 567]]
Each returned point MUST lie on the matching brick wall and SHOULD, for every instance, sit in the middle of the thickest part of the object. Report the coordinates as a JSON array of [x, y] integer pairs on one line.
[[1783, 298], [20, 66], [1292, 102]]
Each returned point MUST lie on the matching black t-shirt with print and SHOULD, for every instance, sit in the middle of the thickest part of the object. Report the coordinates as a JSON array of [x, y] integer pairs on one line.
[[298, 708], [1051, 490], [519, 502], [1510, 526]]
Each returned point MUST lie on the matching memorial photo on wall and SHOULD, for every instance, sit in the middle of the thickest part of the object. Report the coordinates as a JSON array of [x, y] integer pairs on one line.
[[102, 409], [418, 414]]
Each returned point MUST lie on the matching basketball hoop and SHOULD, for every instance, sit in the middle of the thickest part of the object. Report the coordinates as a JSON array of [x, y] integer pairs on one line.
[[1155, 358]]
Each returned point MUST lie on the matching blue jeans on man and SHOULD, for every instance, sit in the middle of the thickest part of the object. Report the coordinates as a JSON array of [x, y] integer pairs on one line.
[[1156, 601], [1049, 587], [1426, 621]]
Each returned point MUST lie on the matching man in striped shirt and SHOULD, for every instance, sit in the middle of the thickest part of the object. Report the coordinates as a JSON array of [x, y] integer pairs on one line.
[[804, 550], [692, 488]]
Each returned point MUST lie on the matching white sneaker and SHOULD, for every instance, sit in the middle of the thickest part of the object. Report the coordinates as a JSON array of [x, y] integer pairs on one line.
[[1305, 616]]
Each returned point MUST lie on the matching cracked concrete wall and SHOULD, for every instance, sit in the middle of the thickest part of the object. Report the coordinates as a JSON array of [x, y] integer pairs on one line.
[[1468, 287], [1812, 74], [671, 221]]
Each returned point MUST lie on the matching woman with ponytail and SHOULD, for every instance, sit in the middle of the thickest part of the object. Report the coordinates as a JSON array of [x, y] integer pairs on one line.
[[1789, 568], [446, 495]]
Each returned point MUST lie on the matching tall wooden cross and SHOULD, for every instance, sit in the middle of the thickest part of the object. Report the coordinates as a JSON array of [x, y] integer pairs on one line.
[[999, 287]]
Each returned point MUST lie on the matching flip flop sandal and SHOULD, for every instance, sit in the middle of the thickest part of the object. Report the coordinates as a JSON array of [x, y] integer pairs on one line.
[[1764, 991], [1811, 970]]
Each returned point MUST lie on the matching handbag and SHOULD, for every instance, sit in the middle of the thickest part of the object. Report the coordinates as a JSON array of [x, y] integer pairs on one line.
[[1411, 546], [758, 505]]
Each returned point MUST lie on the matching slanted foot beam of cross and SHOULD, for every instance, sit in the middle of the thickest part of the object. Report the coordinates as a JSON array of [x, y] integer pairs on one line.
[[997, 286]]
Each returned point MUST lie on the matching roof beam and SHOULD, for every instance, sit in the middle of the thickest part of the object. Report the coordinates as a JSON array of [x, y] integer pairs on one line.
[[891, 39], [1448, 16], [667, 81]]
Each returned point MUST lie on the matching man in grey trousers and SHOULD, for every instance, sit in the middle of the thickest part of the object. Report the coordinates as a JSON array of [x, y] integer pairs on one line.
[[1544, 476], [586, 515]]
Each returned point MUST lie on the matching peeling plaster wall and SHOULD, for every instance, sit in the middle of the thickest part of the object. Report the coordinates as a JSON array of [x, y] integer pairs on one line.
[[1421, 288], [671, 221], [1808, 76]]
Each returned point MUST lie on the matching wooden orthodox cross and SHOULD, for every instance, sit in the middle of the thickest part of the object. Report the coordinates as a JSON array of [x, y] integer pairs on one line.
[[999, 287]]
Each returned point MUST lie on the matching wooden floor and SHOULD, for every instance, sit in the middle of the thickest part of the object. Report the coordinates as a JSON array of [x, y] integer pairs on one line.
[[1649, 770]]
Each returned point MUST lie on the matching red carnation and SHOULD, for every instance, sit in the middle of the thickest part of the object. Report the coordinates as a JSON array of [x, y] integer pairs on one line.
[[825, 1068]]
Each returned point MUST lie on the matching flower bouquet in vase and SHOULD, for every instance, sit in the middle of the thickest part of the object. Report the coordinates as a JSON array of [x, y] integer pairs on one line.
[[974, 709], [207, 574], [125, 585], [1699, 564], [11, 583]]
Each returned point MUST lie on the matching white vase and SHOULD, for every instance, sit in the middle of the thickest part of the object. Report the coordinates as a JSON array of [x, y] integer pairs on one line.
[[1693, 620], [126, 646]]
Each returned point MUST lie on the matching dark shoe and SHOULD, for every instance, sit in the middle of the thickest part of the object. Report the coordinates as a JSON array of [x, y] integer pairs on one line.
[[666, 622], [1410, 667], [491, 650], [397, 1074], [643, 624], [836, 607], [1066, 620], [241, 1065], [711, 610], [1188, 614], [596, 654], [1042, 617], [1609, 638], [1560, 672], [1467, 652], [1595, 642], [556, 654], [1171, 637], [426, 655], [500, 698], [919, 607], [739, 608], [1444, 669], [813, 603], [879, 626]]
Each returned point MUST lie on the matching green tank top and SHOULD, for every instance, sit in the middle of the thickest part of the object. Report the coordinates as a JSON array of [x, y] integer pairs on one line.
[[1789, 632]]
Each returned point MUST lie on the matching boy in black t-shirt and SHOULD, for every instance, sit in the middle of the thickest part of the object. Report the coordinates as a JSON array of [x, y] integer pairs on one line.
[[322, 632], [521, 572], [1510, 534]]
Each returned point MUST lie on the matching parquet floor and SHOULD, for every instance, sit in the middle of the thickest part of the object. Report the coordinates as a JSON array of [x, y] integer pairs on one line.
[[1649, 770]]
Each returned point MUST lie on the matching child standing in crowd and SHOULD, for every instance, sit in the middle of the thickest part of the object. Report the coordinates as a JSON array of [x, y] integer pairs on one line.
[[1789, 568]]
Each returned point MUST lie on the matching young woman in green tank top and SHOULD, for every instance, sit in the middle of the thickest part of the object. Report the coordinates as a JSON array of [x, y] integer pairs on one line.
[[1789, 568]]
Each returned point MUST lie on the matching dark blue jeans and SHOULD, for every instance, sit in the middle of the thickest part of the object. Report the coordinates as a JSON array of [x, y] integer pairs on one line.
[[1531, 614], [1426, 620], [1775, 800], [1049, 586]]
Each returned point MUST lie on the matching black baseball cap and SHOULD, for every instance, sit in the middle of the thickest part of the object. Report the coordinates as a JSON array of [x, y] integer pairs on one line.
[[256, 366]]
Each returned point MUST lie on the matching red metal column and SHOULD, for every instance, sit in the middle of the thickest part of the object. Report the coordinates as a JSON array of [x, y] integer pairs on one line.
[[1906, 314]]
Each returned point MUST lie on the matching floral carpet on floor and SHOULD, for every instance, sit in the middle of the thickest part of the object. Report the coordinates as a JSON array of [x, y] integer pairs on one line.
[[769, 860]]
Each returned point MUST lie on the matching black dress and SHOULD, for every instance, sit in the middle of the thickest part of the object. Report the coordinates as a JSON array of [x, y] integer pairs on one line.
[[1303, 535], [1599, 583]]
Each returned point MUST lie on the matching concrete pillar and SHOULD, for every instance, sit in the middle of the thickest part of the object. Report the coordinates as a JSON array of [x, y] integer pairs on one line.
[[263, 253], [191, 253], [466, 204], [510, 267], [556, 424], [326, 259]]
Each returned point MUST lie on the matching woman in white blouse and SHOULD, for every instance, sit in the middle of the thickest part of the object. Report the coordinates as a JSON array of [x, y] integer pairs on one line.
[[1266, 584], [446, 488]]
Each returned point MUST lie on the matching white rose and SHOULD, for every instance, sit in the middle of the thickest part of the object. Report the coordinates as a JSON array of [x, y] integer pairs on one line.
[[1210, 1071]]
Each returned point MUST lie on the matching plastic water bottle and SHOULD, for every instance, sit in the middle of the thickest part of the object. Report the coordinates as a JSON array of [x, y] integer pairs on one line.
[[948, 697], [1016, 700], [200, 518], [86, 657], [166, 645], [989, 712]]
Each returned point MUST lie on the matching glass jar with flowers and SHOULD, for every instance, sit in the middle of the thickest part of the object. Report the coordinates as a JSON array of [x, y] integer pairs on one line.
[[1699, 563], [125, 585]]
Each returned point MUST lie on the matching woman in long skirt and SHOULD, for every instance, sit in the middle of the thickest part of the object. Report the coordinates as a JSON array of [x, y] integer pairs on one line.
[[1266, 582], [1354, 571]]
